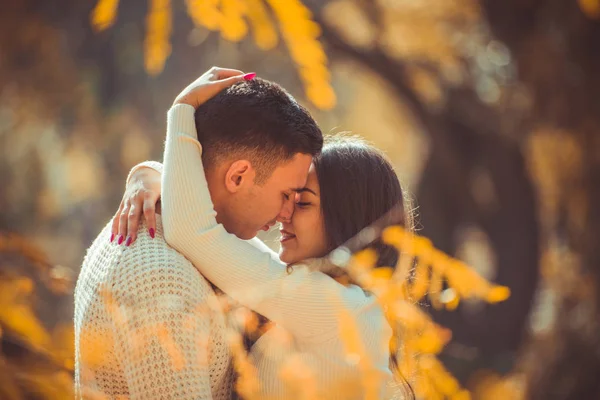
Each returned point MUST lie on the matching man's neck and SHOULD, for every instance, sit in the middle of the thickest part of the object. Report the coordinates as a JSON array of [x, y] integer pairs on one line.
[[217, 192]]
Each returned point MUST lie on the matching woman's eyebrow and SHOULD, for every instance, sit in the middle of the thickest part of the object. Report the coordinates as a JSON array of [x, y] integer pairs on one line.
[[304, 189]]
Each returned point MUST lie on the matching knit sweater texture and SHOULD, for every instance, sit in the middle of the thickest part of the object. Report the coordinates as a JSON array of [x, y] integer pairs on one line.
[[147, 325]]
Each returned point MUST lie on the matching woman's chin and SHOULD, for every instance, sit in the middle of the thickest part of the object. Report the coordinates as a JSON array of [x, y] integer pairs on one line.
[[287, 256], [284, 256]]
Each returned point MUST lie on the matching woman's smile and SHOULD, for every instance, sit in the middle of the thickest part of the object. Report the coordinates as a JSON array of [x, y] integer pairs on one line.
[[286, 236]]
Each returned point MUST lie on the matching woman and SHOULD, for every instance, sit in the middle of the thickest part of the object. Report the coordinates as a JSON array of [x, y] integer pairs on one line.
[[350, 185]]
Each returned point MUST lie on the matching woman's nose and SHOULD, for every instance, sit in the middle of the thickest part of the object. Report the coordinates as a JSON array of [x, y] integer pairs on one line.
[[287, 211]]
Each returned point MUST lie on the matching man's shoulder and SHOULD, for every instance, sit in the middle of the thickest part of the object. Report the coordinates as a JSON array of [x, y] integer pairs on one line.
[[152, 261], [146, 259]]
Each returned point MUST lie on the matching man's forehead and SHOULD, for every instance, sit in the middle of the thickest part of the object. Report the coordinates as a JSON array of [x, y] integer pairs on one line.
[[298, 185], [295, 172]]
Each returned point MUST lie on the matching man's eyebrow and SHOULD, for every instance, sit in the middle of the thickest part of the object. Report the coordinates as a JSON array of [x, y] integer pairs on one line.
[[304, 189]]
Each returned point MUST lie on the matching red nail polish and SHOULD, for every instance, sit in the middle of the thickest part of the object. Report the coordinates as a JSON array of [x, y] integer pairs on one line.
[[152, 233], [120, 240], [128, 242], [250, 76], [112, 237]]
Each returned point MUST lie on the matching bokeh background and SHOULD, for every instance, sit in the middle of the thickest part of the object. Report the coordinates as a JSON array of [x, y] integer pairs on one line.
[[489, 110]]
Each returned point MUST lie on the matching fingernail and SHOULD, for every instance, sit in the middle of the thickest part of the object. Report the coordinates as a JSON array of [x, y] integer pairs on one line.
[[112, 237], [128, 242], [120, 240], [250, 76], [152, 233]]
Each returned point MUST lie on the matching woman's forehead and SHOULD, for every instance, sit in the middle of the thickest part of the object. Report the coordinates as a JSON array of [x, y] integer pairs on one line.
[[312, 182]]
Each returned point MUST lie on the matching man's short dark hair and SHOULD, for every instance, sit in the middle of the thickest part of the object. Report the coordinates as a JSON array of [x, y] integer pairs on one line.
[[259, 121]]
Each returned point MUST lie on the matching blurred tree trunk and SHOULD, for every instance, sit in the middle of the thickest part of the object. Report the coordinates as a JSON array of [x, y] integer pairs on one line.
[[469, 138], [556, 48], [554, 45]]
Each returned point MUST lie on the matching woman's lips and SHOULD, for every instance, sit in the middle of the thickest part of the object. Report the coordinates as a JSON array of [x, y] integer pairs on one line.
[[286, 236]]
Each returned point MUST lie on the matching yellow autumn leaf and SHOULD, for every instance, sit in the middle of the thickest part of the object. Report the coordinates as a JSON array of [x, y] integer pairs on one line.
[[299, 377], [233, 26], [450, 299], [435, 289], [409, 315], [443, 381], [420, 282], [301, 36], [264, 32], [461, 395], [57, 385], [423, 247], [364, 259], [321, 95], [157, 46], [429, 342], [17, 315], [591, 8], [382, 273], [104, 14], [497, 294], [205, 13], [63, 340], [394, 235]]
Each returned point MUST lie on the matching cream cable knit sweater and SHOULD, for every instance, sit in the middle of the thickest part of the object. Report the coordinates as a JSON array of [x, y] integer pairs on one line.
[[316, 349], [147, 325]]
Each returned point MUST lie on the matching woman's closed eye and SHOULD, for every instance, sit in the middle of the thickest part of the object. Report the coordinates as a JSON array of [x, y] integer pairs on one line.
[[303, 203]]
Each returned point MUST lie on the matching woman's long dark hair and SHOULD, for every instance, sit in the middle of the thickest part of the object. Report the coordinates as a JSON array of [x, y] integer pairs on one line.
[[358, 186]]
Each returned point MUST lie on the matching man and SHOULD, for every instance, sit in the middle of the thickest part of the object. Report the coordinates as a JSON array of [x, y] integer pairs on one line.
[[147, 324]]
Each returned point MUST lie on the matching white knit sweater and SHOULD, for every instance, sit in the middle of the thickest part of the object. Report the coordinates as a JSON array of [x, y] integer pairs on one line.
[[147, 325], [331, 341]]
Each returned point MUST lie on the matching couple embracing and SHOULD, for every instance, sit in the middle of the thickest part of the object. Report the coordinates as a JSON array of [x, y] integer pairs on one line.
[[241, 155]]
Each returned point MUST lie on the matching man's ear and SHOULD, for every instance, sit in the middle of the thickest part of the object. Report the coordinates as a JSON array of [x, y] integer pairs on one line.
[[240, 174]]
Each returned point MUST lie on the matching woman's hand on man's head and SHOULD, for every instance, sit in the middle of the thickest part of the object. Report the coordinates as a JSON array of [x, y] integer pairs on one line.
[[209, 84], [143, 188], [139, 200]]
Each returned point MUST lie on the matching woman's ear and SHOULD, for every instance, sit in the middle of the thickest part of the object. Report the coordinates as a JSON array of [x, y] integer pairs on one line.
[[239, 175]]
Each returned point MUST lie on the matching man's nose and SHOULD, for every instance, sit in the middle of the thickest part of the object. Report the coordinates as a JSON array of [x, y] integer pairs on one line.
[[285, 215]]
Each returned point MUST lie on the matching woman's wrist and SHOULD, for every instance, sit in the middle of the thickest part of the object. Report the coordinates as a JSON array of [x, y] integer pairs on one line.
[[143, 175], [145, 178], [146, 167]]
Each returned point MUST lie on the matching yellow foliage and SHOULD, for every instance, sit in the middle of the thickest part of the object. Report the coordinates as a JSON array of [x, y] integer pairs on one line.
[[299, 377], [299, 32], [357, 354], [104, 14], [421, 281], [264, 33], [421, 338], [16, 313], [157, 45], [591, 8], [465, 282], [205, 13], [45, 362], [247, 384], [233, 25], [489, 385]]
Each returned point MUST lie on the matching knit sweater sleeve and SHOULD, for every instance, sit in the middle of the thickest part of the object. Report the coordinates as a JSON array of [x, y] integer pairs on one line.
[[160, 326], [305, 302]]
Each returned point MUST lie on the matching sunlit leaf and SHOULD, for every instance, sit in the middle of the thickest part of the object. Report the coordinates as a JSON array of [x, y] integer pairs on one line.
[[104, 14]]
